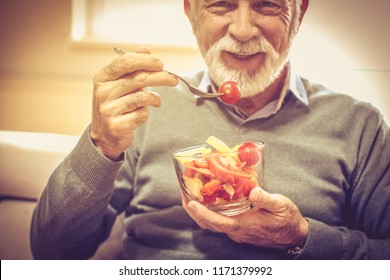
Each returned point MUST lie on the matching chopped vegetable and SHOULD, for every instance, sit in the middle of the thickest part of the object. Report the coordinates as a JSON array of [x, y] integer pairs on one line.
[[221, 174], [218, 144]]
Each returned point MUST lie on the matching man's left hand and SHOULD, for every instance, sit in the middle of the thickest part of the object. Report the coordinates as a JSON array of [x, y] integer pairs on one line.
[[274, 221]]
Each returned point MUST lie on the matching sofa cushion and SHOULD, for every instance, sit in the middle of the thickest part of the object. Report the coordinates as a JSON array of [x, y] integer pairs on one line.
[[15, 221], [27, 159]]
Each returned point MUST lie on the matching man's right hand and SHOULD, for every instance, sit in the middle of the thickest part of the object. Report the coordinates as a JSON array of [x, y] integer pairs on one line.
[[120, 99]]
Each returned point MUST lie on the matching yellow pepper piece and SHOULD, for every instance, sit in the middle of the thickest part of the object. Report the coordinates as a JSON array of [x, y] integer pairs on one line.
[[194, 186], [187, 155], [218, 144]]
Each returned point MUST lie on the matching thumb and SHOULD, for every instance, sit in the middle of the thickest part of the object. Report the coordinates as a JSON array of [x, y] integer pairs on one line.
[[261, 199], [144, 50]]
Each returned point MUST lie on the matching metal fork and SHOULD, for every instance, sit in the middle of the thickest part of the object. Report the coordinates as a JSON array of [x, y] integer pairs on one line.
[[194, 90]]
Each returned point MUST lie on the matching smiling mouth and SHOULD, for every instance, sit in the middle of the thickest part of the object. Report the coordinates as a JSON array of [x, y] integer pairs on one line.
[[241, 55]]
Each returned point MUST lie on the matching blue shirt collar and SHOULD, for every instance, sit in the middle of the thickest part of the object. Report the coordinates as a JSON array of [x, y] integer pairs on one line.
[[296, 86]]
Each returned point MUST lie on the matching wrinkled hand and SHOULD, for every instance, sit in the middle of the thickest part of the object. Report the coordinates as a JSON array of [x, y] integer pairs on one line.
[[274, 221], [120, 99]]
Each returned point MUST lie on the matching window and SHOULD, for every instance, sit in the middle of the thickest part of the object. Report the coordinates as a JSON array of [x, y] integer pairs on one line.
[[151, 22]]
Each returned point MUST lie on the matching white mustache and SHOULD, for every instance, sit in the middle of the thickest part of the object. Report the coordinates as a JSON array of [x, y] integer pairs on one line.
[[251, 47], [251, 83]]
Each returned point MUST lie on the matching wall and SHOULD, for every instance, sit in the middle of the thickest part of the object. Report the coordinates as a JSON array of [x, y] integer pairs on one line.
[[344, 45], [45, 79]]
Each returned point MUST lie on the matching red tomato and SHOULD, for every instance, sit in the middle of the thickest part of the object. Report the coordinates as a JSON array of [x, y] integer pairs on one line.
[[231, 92], [248, 152]]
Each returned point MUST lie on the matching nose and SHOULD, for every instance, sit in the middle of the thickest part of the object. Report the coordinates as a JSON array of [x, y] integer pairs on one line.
[[243, 25]]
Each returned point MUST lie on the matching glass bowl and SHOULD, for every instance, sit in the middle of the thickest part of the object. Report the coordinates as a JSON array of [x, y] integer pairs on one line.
[[220, 179]]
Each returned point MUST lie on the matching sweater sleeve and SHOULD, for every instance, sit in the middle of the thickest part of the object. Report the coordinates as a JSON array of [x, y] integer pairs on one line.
[[367, 211], [73, 215]]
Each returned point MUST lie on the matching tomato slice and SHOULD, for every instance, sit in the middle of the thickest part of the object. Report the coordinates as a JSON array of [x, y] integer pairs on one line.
[[224, 170], [243, 187]]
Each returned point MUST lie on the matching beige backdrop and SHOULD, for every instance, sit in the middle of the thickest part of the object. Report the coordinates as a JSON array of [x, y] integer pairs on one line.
[[45, 79]]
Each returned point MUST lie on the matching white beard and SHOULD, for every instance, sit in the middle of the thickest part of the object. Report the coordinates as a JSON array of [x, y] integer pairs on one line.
[[251, 83]]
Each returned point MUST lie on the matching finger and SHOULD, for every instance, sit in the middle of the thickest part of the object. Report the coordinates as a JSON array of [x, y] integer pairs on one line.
[[184, 202], [144, 50], [200, 223], [135, 100], [128, 63], [264, 200], [123, 126], [208, 219], [133, 82], [130, 102], [134, 119], [139, 80]]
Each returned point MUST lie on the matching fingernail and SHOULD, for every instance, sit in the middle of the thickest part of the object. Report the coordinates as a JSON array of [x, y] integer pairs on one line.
[[160, 64], [176, 79]]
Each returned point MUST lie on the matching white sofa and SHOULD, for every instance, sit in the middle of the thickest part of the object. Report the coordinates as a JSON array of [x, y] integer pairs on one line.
[[26, 162]]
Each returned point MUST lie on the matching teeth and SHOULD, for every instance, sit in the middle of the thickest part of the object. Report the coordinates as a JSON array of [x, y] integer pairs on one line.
[[243, 55]]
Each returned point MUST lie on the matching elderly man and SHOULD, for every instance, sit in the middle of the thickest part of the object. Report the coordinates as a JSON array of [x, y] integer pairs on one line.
[[326, 190]]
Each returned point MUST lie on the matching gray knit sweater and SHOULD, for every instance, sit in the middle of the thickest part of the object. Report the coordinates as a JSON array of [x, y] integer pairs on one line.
[[330, 157]]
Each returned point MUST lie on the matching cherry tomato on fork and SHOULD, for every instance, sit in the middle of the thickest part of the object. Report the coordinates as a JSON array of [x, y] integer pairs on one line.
[[231, 92]]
